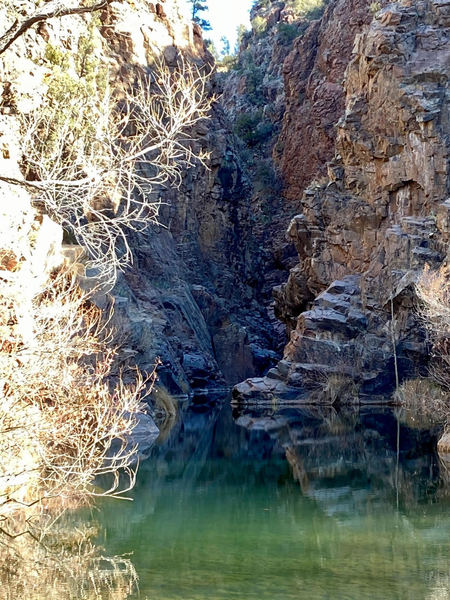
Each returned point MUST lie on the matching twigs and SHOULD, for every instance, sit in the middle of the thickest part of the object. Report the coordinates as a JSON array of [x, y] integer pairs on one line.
[[97, 163], [433, 289], [47, 11], [55, 384]]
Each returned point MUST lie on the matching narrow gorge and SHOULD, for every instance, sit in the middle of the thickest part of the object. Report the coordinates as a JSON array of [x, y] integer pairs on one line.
[[224, 295], [323, 198]]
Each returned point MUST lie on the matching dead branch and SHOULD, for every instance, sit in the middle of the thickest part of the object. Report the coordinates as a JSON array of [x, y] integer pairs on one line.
[[433, 289], [105, 181], [47, 11]]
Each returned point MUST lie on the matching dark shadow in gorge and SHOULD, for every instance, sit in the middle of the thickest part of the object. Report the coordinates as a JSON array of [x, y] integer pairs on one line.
[[340, 459]]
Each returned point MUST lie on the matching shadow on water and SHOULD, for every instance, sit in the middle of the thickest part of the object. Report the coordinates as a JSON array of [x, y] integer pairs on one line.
[[306, 503]]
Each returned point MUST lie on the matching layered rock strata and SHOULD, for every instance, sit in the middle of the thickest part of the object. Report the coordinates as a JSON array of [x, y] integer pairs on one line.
[[365, 236]]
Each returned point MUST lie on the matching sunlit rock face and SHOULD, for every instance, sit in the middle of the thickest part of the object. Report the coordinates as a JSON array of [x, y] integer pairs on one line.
[[313, 76], [364, 236], [189, 296]]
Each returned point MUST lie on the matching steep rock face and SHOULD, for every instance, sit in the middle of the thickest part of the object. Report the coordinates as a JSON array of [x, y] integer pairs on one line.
[[256, 81], [313, 82], [189, 296], [284, 97], [364, 237], [253, 98], [182, 298]]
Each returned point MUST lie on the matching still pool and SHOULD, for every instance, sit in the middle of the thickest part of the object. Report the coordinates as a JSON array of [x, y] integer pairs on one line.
[[298, 503]]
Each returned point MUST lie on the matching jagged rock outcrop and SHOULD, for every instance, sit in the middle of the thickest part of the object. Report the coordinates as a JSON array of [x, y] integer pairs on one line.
[[256, 81], [364, 237], [284, 96], [189, 297], [197, 294]]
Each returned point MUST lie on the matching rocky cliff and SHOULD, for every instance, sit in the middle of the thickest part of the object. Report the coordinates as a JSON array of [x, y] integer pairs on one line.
[[189, 297], [313, 75], [364, 234], [353, 101]]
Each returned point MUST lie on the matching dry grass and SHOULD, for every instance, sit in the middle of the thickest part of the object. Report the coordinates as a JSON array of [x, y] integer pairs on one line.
[[332, 387], [59, 417], [339, 387], [59, 414], [166, 410], [433, 290], [423, 401]]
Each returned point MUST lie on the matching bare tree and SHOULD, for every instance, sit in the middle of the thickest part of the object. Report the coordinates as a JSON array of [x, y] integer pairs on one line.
[[95, 167], [49, 10], [95, 162]]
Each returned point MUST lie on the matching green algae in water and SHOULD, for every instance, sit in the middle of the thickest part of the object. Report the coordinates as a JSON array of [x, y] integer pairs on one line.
[[304, 504]]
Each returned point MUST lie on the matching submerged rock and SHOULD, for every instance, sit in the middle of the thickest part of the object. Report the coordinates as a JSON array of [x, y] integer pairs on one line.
[[143, 437]]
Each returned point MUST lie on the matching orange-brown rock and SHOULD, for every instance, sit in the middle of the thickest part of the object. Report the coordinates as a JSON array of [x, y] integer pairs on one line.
[[314, 94], [364, 236]]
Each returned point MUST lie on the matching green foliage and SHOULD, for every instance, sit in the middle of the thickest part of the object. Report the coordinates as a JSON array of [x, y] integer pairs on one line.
[[245, 126], [375, 7], [305, 10], [200, 6], [77, 88], [225, 49], [259, 25], [261, 4], [254, 77], [287, 32], [57, 57], [241, 32], [266, 180], [228, 62], [252, 129], [310, 9], [212, 49]]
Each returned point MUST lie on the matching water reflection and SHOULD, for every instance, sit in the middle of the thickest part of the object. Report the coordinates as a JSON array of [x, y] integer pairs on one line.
[[46, 553], [305, 503], [371, 449]]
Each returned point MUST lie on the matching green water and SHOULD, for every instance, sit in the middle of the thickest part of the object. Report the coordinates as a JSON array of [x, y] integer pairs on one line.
[[301, 504]]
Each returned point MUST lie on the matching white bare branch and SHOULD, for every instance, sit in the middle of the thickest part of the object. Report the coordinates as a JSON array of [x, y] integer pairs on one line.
[[101, 181]]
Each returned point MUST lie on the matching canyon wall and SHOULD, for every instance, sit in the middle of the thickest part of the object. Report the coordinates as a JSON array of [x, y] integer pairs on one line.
[[188, 299], [365, 234], [332, 125]]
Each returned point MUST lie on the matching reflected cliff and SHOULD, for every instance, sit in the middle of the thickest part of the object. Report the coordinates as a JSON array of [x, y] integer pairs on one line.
[[295, 503], [306, 503]]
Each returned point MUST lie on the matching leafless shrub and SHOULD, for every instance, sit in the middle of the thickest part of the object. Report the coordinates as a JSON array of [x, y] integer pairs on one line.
[[96, 163], [59, 415], [52, 9], [433, 290], [422, 402], [58, 419]]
